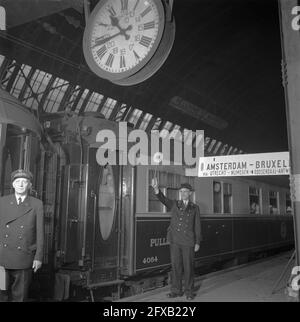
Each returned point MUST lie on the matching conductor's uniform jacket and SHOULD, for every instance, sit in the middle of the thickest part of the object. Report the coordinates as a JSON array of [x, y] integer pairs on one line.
[[185, 225], [21, 232]]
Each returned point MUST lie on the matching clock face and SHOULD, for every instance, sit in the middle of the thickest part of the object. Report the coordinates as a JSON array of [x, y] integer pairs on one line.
[[122, 35]]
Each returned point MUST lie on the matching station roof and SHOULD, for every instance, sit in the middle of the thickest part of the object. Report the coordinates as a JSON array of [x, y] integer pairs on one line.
[[226, 59]]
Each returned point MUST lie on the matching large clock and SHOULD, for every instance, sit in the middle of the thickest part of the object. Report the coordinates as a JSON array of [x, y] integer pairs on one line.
[[125, 40]]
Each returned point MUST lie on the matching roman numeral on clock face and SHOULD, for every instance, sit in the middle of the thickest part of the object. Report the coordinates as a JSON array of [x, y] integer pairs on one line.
[[136, 4], [112, 11], [145, 41], [149, 25], [124, 5], [136, 55], [147, 10], [101, 52], [122, 62], [110, 60]]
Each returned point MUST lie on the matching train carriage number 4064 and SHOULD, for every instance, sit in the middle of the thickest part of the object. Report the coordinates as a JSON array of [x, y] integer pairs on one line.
[[149, 260]]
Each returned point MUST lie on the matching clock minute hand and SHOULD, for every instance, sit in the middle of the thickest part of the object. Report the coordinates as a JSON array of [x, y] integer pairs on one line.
[[103, 41], [121, 32]]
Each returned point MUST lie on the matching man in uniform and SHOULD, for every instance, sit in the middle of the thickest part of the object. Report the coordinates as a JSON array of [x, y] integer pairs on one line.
[[184, 235], [21, 237]]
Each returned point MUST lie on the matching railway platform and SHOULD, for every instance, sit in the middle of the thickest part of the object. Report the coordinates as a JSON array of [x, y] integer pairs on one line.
[[259, 281]]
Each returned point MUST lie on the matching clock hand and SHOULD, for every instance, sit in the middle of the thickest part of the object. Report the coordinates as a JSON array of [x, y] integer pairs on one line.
[[122, 32], [103, 41], [115, 23]]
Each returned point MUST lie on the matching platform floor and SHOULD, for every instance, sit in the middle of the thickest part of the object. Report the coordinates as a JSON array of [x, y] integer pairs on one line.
[[252, 282]]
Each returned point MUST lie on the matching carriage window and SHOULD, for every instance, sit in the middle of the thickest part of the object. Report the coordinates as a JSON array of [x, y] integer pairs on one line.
[[222, 197], [273, 202], [254, 200], [5, 184], [227, 197], [172, 193], [106, 202], [169, 184], [15, 154], [288, 203], [154, 205], [217, 198]]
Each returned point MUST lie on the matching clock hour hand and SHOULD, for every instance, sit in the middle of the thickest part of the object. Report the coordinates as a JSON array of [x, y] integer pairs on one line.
[[122, 32], [115, 23]]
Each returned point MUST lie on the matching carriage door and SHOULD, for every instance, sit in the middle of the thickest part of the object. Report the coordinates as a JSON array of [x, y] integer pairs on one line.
[[103, 209], [70, 215]]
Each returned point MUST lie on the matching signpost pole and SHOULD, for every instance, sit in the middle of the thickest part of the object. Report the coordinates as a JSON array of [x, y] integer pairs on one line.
[[289, 12]]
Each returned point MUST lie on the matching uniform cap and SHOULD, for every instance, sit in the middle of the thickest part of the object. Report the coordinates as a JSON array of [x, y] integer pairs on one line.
[[20, 173], [186, 186]]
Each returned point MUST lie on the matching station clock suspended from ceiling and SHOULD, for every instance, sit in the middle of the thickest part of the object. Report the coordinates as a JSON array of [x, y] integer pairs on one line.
[[127, 41]]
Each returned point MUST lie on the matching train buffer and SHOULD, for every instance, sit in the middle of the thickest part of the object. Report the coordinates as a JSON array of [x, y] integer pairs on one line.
[[251, 282]]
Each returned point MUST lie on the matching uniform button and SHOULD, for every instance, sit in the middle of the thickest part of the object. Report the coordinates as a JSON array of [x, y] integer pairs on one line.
[[7, 226], [6, 236], [19, 247], [22, 226], [5, 245]]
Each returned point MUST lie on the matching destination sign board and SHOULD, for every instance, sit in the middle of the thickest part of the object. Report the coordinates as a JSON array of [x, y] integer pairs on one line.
[[258, 164]]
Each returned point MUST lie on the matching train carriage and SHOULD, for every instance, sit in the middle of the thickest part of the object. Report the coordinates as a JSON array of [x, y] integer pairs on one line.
[[229, 228], [113, 229]]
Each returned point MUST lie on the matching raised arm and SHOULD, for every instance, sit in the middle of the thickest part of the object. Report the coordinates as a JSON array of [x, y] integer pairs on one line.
[[160, 196]]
